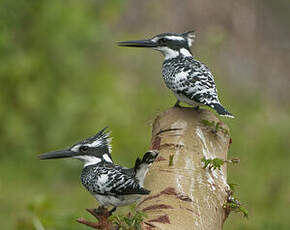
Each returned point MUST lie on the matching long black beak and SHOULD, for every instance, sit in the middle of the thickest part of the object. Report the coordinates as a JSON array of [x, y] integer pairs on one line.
[[138, 43], [57, 154]]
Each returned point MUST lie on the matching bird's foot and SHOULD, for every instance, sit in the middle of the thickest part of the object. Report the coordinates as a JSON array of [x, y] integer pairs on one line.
[[112, 210], [101, 211], [177, 104], [196, 108]]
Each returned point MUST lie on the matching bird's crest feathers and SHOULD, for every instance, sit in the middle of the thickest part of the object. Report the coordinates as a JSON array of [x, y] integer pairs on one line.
[[190, 35], [101, 140]]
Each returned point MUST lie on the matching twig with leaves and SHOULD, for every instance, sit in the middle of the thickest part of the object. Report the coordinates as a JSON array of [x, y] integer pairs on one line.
[[233, 204], [105, 221], [216, 163]]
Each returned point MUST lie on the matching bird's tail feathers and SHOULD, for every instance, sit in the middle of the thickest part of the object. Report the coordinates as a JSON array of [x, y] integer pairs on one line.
[[143, 191], [137, 190], [222, 111], [141, 166]]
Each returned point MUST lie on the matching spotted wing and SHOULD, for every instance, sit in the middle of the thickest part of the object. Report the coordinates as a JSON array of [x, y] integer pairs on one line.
[[128, 171], [108, 180], [195, 81]]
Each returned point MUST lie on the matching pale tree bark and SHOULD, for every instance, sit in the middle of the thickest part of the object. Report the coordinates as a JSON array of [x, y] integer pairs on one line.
[[185, 195]]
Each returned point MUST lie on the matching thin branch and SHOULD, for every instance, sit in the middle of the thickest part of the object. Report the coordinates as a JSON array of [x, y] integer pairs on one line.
[[102, 215]]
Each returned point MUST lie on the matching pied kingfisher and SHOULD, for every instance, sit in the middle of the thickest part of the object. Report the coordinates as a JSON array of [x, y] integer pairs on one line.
[[189, 79], [110, 184]]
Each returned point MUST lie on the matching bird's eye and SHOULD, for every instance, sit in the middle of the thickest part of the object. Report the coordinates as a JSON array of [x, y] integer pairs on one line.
[[162, 40], [84, 148]]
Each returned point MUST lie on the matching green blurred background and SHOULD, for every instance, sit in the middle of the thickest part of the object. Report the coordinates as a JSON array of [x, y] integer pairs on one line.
[[63, 78]]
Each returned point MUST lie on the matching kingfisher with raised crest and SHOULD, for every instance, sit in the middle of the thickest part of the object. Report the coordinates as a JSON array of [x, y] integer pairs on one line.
[[109, 183], [190, 80]]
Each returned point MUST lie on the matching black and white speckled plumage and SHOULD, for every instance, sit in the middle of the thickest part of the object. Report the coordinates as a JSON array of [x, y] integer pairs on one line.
[[190, 80], [110, 184], [106, 179], [116, 185]]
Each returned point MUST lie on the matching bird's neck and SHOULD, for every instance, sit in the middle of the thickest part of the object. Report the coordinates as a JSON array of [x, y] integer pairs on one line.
[[170, 53], [92, 160]]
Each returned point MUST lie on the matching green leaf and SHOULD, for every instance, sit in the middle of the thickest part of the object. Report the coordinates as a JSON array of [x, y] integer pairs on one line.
[[130, 221], [171, 160], [233, 186], [207, 123], [215, 163], [244, 211]]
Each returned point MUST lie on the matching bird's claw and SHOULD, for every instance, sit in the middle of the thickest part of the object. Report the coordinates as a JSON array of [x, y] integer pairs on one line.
[[112, 210], [101, 211], [177, 104]]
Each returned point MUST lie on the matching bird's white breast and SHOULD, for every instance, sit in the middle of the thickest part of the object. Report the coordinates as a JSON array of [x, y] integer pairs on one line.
[[186, 100], [121, 200]]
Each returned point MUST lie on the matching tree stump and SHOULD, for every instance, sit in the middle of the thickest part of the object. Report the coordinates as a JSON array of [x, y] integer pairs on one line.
[[184, 195]]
